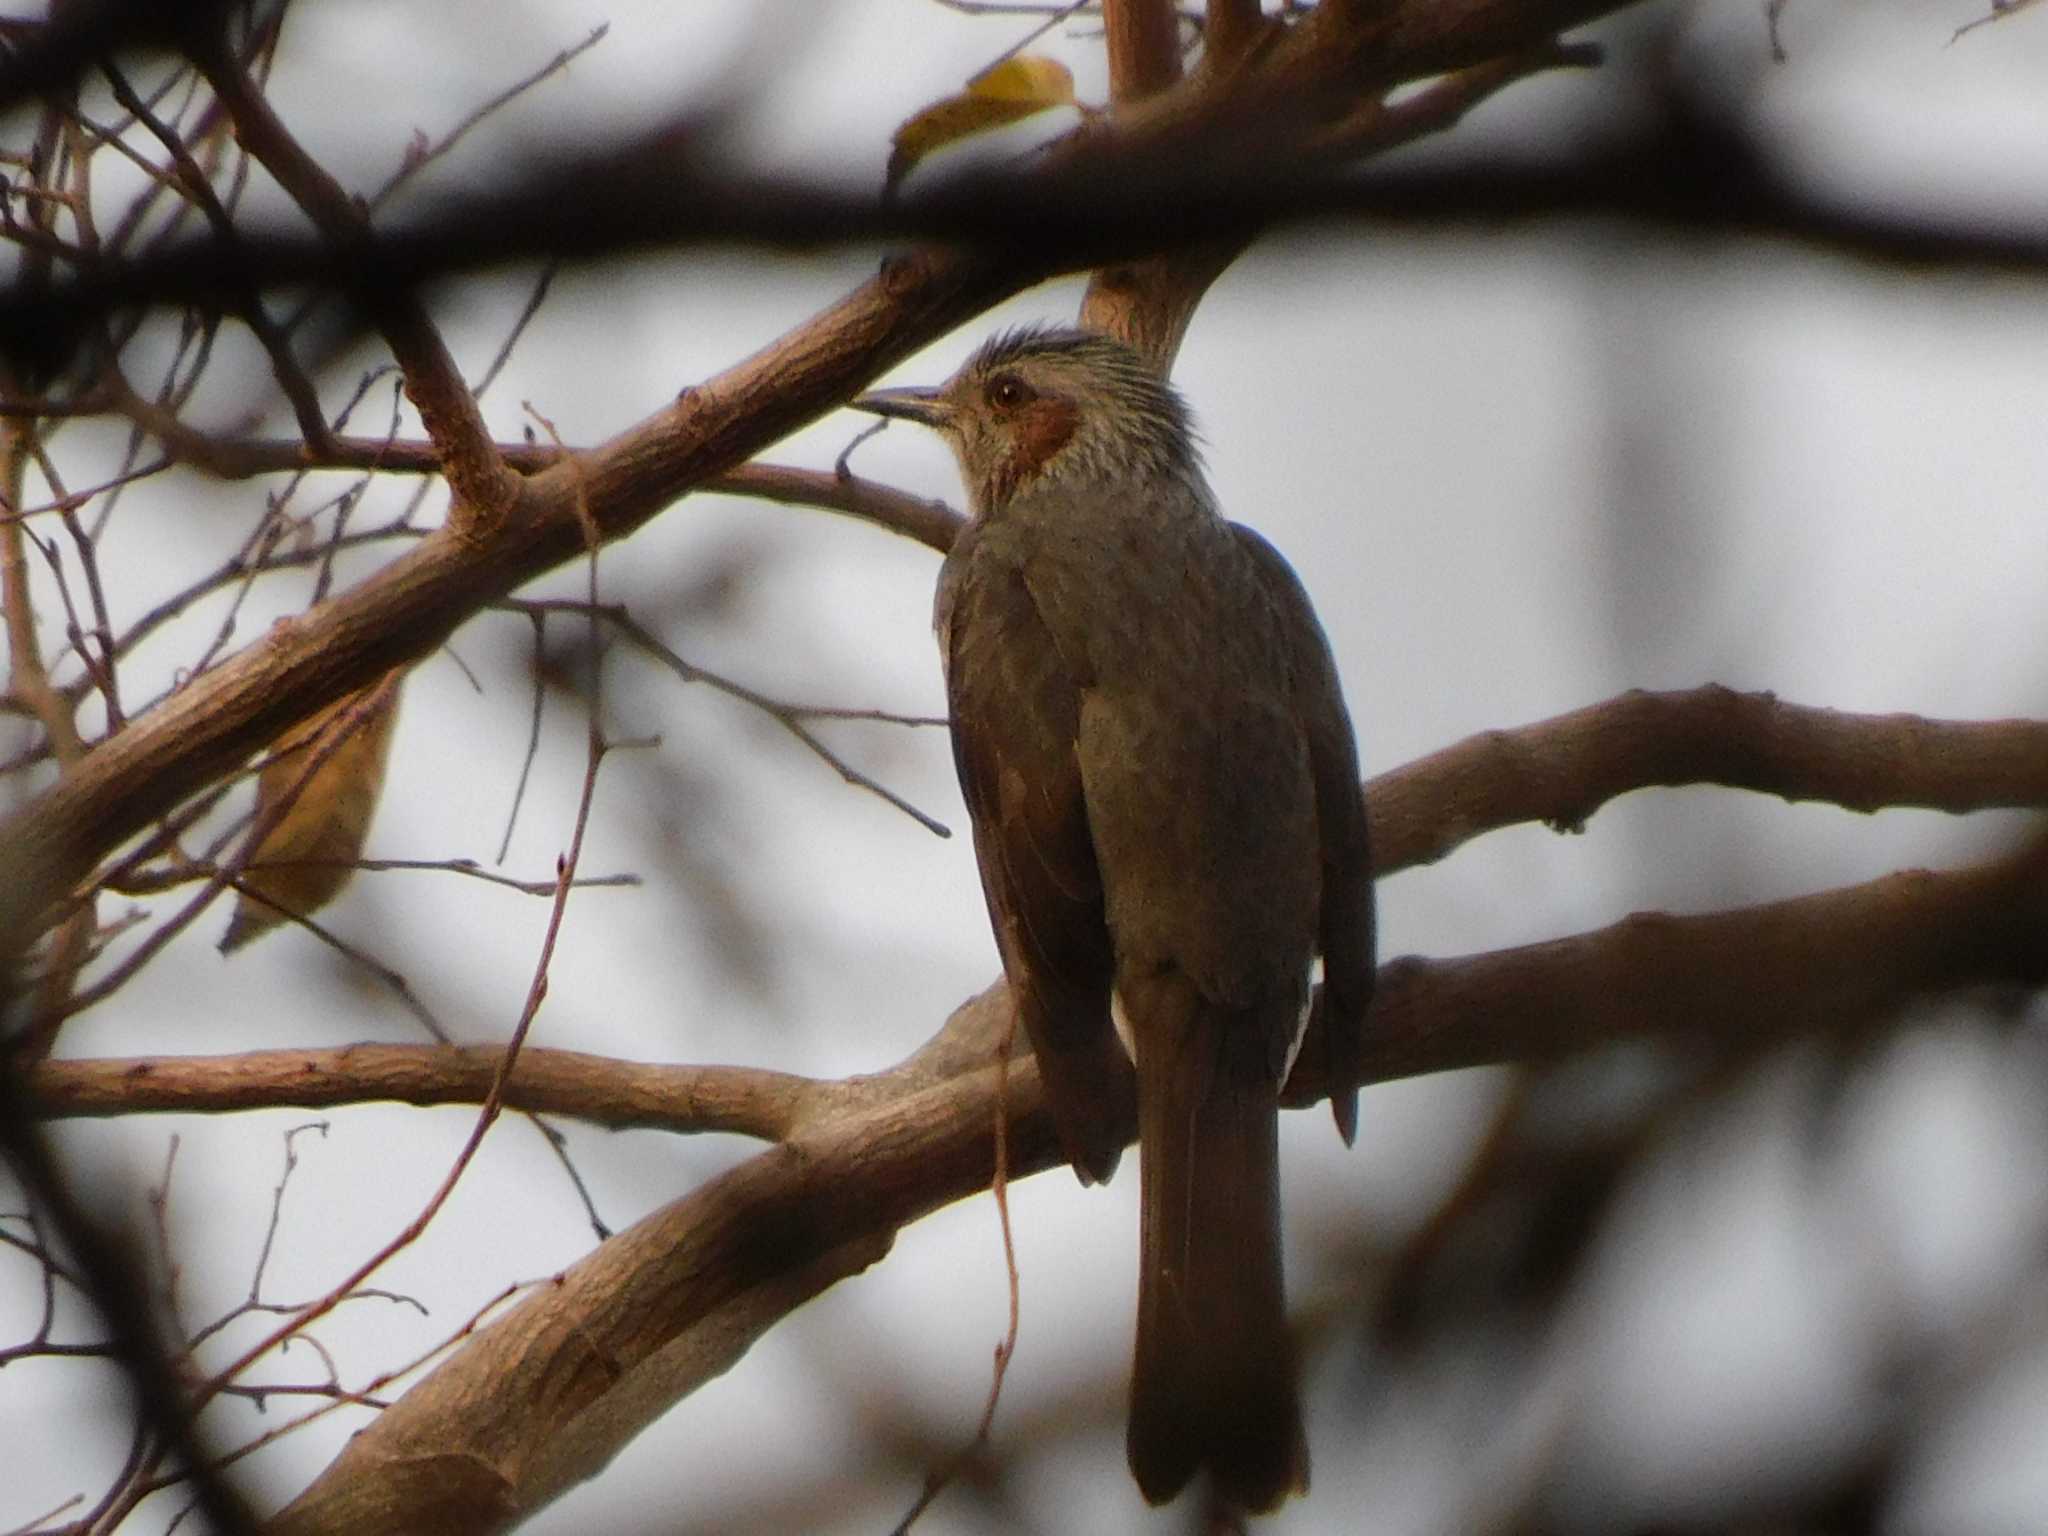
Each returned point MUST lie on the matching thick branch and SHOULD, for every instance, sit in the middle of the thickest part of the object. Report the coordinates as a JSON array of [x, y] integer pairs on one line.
[[1143, 39], [1230, 29], [532, 1401], [414, 603], [1558, 771], [743, 1101], [1564, 769], [1779, 971]]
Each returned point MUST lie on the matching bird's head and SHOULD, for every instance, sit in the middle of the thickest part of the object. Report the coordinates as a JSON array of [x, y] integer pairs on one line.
[[1051, 409]]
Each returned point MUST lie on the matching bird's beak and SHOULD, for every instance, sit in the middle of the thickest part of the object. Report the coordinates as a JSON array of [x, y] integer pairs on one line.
[[926, 407]]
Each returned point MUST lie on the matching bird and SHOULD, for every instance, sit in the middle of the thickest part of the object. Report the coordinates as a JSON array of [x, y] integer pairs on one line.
[[1162, 780]]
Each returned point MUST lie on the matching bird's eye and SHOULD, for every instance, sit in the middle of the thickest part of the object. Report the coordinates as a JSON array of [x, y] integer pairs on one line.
[[1006, 392]]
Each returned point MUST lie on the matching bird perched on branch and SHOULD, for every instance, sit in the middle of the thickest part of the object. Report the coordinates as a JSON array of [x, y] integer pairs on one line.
[[1164, 789]]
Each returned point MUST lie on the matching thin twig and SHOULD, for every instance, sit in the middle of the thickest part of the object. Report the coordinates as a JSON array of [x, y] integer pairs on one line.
[[291, 378], [789, 717], [456, 866], [1006, 1348], [487, 1115], [423, 155], [526, 761], [365, 1395], [393, 979]]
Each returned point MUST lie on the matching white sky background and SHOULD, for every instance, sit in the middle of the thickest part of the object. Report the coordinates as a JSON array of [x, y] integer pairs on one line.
[[1518, 473]]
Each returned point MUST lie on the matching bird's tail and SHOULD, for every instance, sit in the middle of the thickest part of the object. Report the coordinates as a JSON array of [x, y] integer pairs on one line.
[[1214, 1383]]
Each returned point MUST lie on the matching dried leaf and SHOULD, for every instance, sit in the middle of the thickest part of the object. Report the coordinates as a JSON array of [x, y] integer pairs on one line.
[[306, 858], [1004, 93]]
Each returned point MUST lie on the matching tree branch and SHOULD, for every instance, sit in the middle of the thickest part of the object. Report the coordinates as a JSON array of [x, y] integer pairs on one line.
[[1230, 30], [239, 458], [553, 1390], [1211, 158], [741, 1101], [1560, 771], [483, 487], [414, 603], [550, 1392]]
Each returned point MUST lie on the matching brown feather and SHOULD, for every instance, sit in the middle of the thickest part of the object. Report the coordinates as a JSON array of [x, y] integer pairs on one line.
[[1039, 430], [1015, 706], [1347, 923], [1212, 1381], [1160, 773]]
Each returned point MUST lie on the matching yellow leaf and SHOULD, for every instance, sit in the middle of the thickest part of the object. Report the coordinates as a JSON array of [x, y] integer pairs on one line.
[[1025, 77], [308, 854], [1004, 93]]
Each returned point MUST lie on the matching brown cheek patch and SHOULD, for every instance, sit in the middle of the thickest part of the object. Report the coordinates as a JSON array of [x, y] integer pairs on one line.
[[1040, 430]]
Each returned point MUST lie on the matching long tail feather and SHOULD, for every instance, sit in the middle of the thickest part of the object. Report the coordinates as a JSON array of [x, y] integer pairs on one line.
[[1214, 1382]]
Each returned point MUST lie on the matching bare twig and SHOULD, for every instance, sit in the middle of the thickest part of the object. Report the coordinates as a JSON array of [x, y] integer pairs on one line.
[[484, 487], [2000, 9], [1006, 1347], [366, 1395], [790, 717], [534, 300], [192, 181], [460, 866], [423, 154], [113, 1279], [493, 1103], [532, 753]]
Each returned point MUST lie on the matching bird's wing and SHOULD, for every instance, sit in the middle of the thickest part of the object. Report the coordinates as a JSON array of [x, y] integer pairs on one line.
[[1347, 904], [1015, 706]]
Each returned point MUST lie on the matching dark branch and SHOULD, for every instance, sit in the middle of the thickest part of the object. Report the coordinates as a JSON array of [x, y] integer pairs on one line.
[[1684, 174]]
